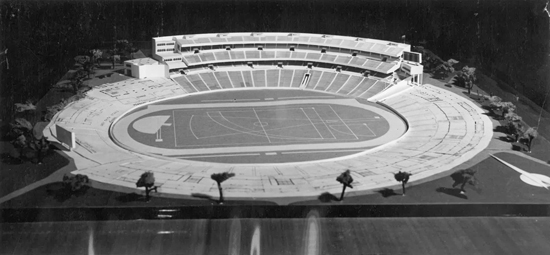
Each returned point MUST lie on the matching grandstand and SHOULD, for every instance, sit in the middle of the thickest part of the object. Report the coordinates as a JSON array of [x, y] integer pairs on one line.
[[441, 129]]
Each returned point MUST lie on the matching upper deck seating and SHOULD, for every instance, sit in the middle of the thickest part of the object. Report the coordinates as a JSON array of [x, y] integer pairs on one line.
[[350, 43], [214, 57]]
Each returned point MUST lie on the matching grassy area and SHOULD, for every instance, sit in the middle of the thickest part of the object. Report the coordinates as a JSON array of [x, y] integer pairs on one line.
[[54, 195], [531, 113], [498, 184], [525, 108], [16, 175]]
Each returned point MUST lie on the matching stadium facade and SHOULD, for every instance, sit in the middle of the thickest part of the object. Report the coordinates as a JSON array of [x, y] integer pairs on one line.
[[374, 58]]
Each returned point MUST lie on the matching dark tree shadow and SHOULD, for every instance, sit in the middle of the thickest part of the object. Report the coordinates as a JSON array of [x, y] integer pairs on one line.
[[505, 138], [61, 193], [451, 192], [204, 196], [105, 67], [327, 197], [500, 129], [486, 107], [473, 96], [458, 178], [130, 197], [387, 192], [6, 158], [519, 147], [492, 115]]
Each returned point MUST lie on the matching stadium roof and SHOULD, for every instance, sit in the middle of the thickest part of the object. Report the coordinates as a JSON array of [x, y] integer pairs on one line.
[[364, 44], [142, 61]]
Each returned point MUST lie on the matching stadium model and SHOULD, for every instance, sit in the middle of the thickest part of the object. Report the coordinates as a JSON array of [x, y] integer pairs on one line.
[[285, 112]]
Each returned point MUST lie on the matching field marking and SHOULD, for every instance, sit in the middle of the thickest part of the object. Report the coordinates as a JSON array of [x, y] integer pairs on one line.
[[273, 129], [369, 129], [221, 155], [324, 122], [175, 135], [313, 151], [230, 100], [260, 121], [312, 123], [253, 132], [236, 130], [159, 135], [191, 127], [346, 133], [220, 112], [357, 138], [306, 97], [239, 129], [362, 119]]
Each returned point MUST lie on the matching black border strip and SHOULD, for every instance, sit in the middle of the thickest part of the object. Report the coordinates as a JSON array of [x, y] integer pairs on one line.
[[272, 211]]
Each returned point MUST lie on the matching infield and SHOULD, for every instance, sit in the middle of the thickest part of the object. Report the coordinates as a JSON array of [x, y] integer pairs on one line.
[[255, 128]]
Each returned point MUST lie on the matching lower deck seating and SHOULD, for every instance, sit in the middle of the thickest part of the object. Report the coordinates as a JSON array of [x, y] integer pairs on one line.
[[331, 81]]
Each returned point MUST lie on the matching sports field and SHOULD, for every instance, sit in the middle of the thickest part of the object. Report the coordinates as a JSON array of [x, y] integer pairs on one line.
[[256, 126]]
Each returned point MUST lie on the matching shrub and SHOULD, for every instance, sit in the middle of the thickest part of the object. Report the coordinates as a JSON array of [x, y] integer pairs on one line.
[[75, 183]]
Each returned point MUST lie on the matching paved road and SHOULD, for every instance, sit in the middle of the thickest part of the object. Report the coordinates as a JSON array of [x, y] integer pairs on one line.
[[471, 235]]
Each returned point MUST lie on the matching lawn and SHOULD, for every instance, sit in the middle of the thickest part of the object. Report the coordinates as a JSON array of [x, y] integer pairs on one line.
[[15, 175], [498, 184], [54, 195]]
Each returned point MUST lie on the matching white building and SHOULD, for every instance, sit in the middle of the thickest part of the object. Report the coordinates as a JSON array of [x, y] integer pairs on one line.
[[142, 68]]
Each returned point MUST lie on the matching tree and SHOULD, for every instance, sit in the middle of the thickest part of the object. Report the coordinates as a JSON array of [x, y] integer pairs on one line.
[[513, 125], [463, 177], [515, 129], [503, 107], [494, 100], [506, 108], [219, 178], [402, 177], [54, 109], [467, 77], [147, 180], [76, 82], [27, 106], [345, 179], [96, 57], [530, 135], [75, 183], [27, 140]]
